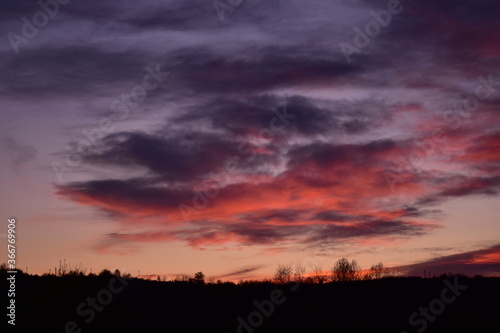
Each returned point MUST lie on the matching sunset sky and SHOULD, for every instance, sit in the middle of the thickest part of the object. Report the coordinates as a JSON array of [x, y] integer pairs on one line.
[[173, 137]]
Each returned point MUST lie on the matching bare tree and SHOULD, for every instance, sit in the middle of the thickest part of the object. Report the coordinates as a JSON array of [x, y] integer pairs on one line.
[[182, 278], [77, 271], [378, 271], [343, 270], [318, 275], [283, 273], [298, 274]]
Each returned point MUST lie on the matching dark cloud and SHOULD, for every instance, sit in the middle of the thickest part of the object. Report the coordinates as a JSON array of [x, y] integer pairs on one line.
[[334, 216], [256, 71], [241, 271], [294, 115], [200, 234], [474, 185], [184, 158], [117, 194], [245, 233], [485, 262], [459, 34], [415, 212], [325, 155], [72, 70], [14, 10], [368, 229], [195, 15], [483, 153], [285, 215], [462, 186]]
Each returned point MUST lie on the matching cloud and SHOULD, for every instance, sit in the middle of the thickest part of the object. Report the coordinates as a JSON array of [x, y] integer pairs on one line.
[[240, 273], [482, 153], [260, 70], [218, 141], [74, 70], [252, 207], [484, 262], [245, 210], [287, 116], [130, 197], [172, 159]]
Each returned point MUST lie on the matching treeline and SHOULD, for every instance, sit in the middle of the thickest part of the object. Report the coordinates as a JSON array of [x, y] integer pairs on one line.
[[342, 270]]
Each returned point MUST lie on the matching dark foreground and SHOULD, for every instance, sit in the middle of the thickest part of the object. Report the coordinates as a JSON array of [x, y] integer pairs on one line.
[[111, 304]]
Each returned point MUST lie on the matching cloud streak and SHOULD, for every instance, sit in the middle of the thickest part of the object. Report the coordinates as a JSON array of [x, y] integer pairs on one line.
[[485, 262]]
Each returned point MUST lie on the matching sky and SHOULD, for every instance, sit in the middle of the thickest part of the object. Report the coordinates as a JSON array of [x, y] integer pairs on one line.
[[171, 137]]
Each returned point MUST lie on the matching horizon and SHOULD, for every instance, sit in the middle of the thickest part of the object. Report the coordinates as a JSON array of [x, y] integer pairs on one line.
[[308, 277]]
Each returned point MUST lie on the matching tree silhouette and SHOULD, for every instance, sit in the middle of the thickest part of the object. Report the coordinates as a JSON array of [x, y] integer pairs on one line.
[[105, 272], [298, 273], [199, 278], [343, 270], [378, 271], [318, 275], [283, 273], [182, 278]]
